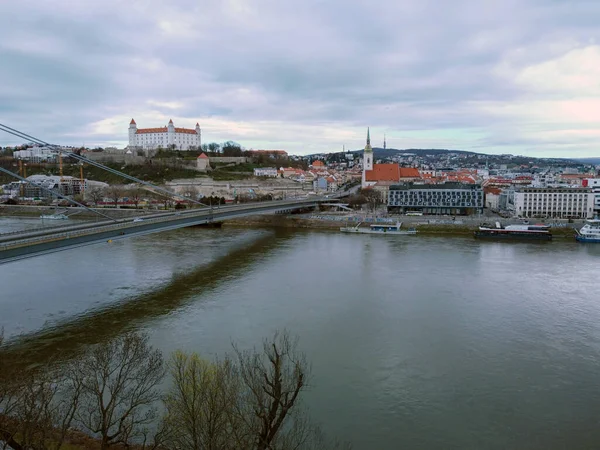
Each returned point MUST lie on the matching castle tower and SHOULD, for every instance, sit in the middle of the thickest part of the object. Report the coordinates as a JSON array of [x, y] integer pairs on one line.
[[367, 159], [132, 131], [198, 136], [170, 133]]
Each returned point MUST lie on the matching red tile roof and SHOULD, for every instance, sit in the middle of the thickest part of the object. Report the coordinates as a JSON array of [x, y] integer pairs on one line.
[[203, 156], [318, 163], [383, 172], [132, 122], [409, 172], [164, 130], [185, 130], [492, 190], [151, 130], [391, 172]]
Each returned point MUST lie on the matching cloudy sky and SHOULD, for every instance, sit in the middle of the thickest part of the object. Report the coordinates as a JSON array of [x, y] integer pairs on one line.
[[510, 76]]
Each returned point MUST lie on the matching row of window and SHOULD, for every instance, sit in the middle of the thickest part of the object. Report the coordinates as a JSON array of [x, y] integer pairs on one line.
[[438, 204]]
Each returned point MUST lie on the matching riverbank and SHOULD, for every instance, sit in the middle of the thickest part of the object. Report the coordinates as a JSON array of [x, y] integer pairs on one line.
[[334, 225]]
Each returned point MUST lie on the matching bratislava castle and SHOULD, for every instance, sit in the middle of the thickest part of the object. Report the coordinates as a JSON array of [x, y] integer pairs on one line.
[[165, 137]]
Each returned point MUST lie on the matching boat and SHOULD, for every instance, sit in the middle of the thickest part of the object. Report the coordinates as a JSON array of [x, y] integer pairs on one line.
[[536, 232], [590, 232], [54, 216], [379, 228]]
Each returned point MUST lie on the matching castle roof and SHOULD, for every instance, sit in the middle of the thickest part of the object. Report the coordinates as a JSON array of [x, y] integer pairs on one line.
[[165, 130], [132, 122], [203, 156], [185, 130], [151, 130]]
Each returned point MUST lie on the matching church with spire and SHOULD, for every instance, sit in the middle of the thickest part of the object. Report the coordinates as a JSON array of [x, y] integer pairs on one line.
[[367, 159], [168, 136], [381, 176]]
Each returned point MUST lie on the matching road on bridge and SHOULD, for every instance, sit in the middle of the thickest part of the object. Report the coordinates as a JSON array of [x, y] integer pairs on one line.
[[26, 244]]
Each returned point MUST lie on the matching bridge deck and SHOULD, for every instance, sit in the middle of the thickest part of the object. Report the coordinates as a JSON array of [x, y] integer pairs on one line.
[[15, 246]]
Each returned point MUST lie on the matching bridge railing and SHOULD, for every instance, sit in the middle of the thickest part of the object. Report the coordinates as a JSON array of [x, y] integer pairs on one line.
[[146, 221]]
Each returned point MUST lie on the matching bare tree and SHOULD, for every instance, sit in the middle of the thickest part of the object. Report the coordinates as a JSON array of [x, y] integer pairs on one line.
[[135, 195], [372, 197], [272, 380], [96, 195], [115, 193], [38, 407], [119, 388], [191, 192]]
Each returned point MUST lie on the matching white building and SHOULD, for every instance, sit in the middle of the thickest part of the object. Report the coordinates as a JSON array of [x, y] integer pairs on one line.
[[594, 185], [265, 172], [165, 137], [558, 203], [37, 154]]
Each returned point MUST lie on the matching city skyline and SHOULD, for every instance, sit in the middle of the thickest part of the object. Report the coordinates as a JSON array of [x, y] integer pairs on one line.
[[517, 77]]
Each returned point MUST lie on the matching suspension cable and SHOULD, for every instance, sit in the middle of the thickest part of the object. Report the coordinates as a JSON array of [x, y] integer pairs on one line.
[[74, 155], [53, 192]]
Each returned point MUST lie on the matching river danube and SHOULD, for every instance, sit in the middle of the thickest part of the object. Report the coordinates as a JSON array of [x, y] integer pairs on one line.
[[416, 342]]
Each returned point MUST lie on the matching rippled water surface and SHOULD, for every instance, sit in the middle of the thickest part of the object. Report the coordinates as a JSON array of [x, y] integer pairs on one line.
[[416, 342]]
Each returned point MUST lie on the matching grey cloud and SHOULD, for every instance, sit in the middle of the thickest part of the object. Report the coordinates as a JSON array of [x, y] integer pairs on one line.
[[400, 65]]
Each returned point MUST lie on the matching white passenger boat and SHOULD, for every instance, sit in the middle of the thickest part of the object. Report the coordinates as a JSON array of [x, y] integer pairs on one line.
[[54, 216], [590, 232], [379, 228], [524, 231]]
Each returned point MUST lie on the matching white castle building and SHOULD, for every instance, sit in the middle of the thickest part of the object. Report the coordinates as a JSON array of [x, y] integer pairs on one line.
[[165, 137]]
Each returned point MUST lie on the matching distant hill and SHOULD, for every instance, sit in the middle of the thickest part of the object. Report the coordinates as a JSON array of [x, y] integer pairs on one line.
[[595, 161], [379, 152]]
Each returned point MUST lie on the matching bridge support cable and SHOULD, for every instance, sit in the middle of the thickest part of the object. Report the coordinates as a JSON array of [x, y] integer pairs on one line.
[[53, 192], [158, 189]]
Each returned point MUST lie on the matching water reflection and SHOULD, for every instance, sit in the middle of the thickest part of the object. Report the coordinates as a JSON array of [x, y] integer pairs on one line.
[[64, 340]]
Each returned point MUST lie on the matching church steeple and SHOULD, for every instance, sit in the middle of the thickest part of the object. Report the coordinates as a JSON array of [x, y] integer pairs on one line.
[[367, 156], [368, 148]]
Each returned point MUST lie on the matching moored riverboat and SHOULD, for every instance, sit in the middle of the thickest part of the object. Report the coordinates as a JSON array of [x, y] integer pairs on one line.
[[54, 216], [385, 228], [534, 232], [590, 232]]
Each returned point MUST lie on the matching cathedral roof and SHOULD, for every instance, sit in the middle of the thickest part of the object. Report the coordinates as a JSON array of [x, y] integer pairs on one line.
[[390, 172], [383, 172]]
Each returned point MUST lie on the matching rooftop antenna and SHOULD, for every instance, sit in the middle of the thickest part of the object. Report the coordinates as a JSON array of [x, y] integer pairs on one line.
[[384, 143]]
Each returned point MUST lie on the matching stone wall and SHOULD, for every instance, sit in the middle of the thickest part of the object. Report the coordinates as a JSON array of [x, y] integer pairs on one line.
[[228, 159]]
